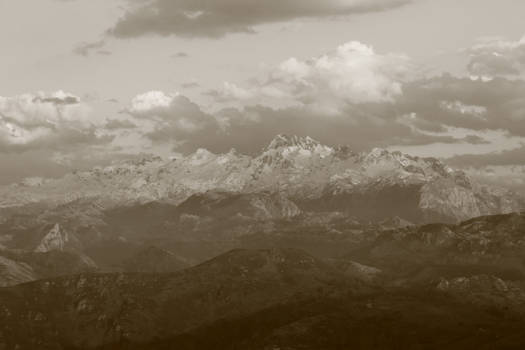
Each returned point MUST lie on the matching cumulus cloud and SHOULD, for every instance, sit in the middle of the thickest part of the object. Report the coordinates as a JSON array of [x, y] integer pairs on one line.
[[52, 120], [353, 73], [171, 118], [152, 102], [216, 18], [496, 57]]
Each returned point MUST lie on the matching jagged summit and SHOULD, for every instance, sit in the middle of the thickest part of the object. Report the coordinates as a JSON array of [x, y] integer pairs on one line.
[[292, 152], [305, 146], [283, 140]]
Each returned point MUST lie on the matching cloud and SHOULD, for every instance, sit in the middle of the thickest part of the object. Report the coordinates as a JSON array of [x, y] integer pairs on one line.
[[152, 102], [171, 118], [497, 57], [44, 120], [190, 18], [495, 168], [87, 48], [351, 74], [510, 157], [119, 124], [512, 177], [180, 55], [498, 104], [190, 85], [351, 95]]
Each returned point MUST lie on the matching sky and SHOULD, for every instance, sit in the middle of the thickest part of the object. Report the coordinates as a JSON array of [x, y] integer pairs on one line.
[[89, 82]]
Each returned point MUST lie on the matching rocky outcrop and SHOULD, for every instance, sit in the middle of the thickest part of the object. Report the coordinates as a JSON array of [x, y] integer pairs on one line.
[[56, 239]]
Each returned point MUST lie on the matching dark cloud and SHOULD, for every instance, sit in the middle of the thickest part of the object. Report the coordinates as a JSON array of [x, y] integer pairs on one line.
[[190, 18]]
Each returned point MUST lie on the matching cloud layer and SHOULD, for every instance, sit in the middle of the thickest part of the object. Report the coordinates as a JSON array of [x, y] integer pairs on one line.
[[351, 95]]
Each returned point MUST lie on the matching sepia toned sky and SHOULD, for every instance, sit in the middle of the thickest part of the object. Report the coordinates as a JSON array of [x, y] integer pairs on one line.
[[87, 82]]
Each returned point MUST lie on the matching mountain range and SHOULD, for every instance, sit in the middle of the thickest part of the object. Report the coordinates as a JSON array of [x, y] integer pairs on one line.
[[315, 177]]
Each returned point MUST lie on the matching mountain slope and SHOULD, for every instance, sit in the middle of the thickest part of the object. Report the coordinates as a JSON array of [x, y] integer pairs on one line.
[[491, 245], [92, 310]]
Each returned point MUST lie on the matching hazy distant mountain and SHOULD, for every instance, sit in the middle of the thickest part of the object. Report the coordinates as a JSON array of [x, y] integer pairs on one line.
[[375, 185]]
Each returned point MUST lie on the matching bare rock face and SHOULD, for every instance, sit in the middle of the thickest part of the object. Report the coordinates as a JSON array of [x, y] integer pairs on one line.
[[276, 206], [13, 272], [56, 239], [373, 185]]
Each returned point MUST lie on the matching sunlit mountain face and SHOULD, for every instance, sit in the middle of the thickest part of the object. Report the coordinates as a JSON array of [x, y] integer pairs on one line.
[[267, 175]]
